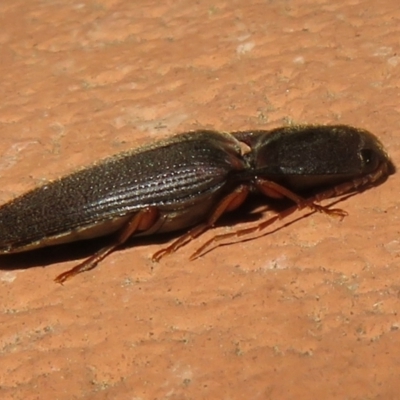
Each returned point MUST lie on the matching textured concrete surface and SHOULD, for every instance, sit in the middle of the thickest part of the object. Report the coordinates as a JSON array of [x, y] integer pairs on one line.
[[309, 312]]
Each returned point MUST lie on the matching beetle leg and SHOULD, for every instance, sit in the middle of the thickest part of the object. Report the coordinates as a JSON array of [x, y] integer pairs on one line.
[[274, 190], [141, 221], [348, 188], [256, 228], [228, 203], [362, 182]]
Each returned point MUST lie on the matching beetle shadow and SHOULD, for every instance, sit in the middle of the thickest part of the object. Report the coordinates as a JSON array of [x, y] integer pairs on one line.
[[51, 255], [251, 211]]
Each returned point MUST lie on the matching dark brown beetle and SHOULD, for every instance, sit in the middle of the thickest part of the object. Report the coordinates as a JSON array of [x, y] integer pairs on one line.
[[191, 180]]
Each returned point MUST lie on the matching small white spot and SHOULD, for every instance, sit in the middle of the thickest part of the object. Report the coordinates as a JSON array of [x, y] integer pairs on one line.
[[383, 51], [394, 61], [299, 60], [8, 277], [278, 263], [393, 247], [245, 47], [10, 157]]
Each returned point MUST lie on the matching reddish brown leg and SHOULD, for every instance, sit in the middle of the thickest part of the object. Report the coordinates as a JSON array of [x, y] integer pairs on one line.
[[273, 189], [339, 190], [141, 221], [228, 203]]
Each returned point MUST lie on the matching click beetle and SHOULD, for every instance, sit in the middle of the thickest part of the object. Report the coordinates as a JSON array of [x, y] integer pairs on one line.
[[188, 182]]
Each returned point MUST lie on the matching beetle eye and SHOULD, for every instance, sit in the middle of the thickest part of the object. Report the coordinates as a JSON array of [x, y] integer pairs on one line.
[[367, 156]]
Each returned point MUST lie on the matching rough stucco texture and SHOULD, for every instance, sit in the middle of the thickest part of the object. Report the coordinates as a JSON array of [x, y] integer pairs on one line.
[[309, 312]]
